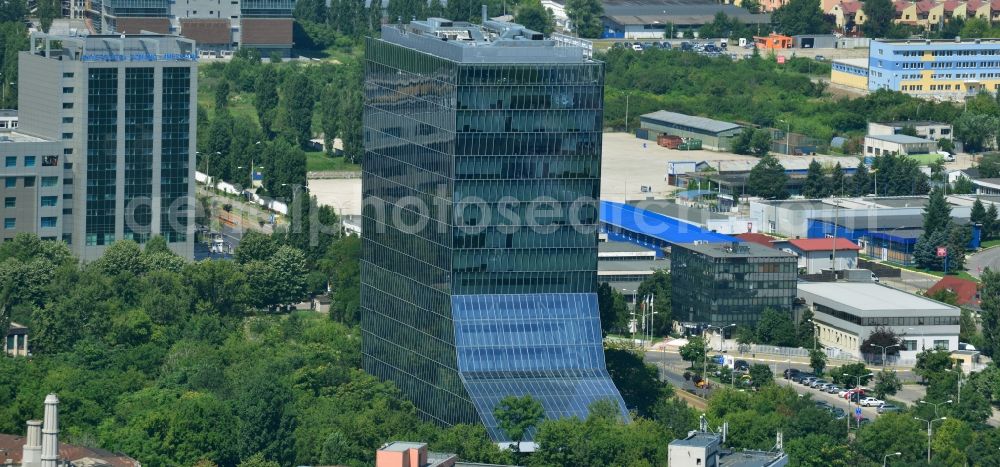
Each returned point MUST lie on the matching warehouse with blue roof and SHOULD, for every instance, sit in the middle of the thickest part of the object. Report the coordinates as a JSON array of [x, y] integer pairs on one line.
[[626, 223]]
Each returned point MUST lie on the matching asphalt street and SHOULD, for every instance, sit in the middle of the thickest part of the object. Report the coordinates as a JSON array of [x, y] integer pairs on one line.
[[978, 262]]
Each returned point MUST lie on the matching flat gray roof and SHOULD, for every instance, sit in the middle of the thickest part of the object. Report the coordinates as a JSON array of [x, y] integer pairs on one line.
[[671, 209], [707, 124], [622, 247], [902, 202], [742, 250], [904, 123], [698, 440], [883, 221], [900, 139], [492, 42], [856, 62], [868, 300], [15, 137], [799, 204], [639, 266]]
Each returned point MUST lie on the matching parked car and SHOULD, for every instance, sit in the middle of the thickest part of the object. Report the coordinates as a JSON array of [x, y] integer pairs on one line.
[[833, 389], [817, 382], [801, 376], [844, 393], [822, 387], [864, 421], [820, 58], [741, 365], [838, 413], [791, 373], [637, 47], [823, 405], [887, 408], [871, 402], [808, 380]]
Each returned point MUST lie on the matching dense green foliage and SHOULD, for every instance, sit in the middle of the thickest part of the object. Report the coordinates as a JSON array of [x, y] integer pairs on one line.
[[800, 17], [585, 15]]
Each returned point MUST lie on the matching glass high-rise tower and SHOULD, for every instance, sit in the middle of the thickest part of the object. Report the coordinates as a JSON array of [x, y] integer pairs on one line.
[[481, 180]]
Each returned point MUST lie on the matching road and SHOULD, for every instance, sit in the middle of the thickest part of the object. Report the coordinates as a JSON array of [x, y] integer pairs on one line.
[[909, 281], [978, 262]]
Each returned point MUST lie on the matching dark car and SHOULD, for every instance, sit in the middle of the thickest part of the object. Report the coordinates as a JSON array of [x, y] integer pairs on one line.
[[741, 365], [838, 413], [791, 373], [800, 376], [687, 46], [665, 45]]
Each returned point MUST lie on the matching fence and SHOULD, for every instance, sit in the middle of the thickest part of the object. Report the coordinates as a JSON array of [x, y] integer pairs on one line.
[[836, 354]]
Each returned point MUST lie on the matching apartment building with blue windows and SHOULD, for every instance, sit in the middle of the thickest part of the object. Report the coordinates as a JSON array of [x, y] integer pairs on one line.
[[950, 69]]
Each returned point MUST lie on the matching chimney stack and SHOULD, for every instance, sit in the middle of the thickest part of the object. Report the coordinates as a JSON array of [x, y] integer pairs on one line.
[[50, 432], [31, 455], [485, 15]]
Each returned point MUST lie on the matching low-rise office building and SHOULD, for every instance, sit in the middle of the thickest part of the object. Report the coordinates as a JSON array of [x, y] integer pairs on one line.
[[850, 72], [846, 313], [878, 145], [704, 449], [8, 120], [733, 282], [714, 134], [631, 20], [924, 129], [818, 254], [34, 189]]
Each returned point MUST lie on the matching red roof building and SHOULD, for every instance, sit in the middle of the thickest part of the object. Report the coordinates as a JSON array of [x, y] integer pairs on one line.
[[816, 254], [757, 238], [13, 446], [966, 290]]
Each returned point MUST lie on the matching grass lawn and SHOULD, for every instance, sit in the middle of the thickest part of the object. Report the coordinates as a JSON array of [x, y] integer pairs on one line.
[[959, 274], [989, 244], [924, 159], [317, 161]]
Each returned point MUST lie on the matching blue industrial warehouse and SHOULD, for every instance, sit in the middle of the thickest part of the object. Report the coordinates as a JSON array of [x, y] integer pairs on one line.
[[622, 222]]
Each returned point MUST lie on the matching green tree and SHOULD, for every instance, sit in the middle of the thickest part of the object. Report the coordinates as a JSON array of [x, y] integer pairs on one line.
[[295, 108], [12, 11], [800, 17], [767, 179], [258, 460], [532, 15], [879, 16], [838, 185], [760, 375], [472, 444], [405, 10], [518, 416], [221, 96], [847, 374], [816, 183], [932, 362], [975, 28], [694, 351], [937, 213], [741, 143], [760, 143], [266, 97], [886, 384], [817, 360], [976, 131], [329, 107], [47, 11], [614, 311], [776, 328], [585, 16], [894, 432], [638, 381], [989, 165], [657, 288], [861, 182], [989, 293], [254, 246], [341, 266], [806, 330], [962, 186]]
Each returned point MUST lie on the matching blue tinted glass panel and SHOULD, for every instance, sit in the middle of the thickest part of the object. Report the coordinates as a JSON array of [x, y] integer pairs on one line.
[[546, 345]]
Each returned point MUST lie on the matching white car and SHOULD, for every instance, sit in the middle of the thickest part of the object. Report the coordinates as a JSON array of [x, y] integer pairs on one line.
[[871, 402], [844, 392]]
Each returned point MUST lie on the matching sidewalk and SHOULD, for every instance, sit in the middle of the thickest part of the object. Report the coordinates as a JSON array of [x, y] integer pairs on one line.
[[243, 215]]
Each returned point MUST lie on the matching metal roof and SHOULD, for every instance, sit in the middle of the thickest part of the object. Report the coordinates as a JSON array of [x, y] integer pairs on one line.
[[742, 250], [707, 124], [868, 300], [667, 229], [900, 139], [617, 268], [677, 211], [621, 247]]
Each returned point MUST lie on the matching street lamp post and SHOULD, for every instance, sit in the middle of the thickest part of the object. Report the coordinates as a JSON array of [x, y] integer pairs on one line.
[[884, 348], [930, 432], [815, 336], [960, 374], [935, 405], [849, 399], [886, 457]]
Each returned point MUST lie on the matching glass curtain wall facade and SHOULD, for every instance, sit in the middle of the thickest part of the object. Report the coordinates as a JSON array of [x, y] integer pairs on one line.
[[175, 154], [464, 303], [139, 98], [721, 290], [102, 158]]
